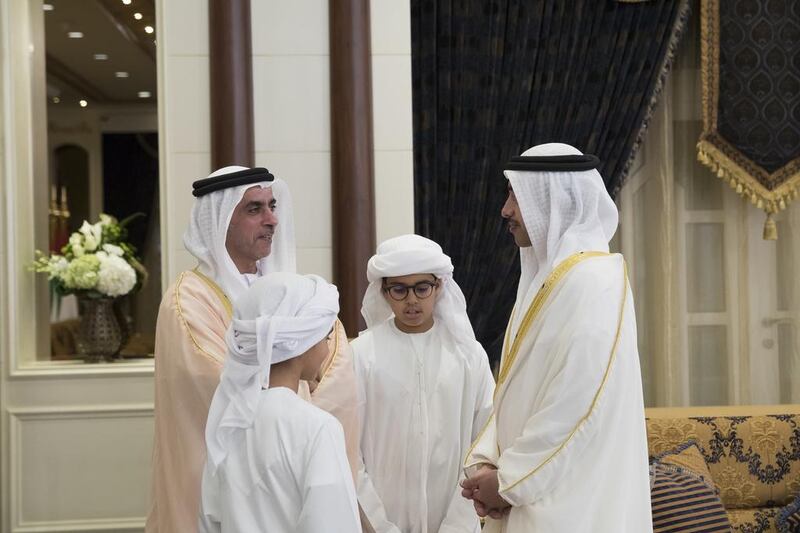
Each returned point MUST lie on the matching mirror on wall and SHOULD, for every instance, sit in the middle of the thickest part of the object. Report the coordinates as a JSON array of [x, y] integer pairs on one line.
[[103, 172]]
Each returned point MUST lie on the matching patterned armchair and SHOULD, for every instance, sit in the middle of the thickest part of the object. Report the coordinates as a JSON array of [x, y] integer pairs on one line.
[[752, 453]]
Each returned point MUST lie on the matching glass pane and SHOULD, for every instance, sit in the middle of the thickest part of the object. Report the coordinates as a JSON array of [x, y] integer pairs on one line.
[[705, 276], [784, 278], [102, 148], [787, 361], [708, 365]]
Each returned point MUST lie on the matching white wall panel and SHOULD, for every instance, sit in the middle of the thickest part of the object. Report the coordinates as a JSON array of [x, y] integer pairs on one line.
[[315, 261], [79, 467], [186, 104], [299, 27], [185, 24], [308, 175], [394, 193], [391, 93], [391, 27], [291, 103]]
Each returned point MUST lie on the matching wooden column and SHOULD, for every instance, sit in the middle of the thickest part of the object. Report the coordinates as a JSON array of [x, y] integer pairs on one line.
[[351, 155], [231, 69]]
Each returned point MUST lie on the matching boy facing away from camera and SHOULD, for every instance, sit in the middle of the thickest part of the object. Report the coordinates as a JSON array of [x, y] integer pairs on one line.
[[275, 462]]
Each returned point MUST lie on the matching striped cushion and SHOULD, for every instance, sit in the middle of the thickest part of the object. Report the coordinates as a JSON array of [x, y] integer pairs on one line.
[[683, 496], [789, 518]]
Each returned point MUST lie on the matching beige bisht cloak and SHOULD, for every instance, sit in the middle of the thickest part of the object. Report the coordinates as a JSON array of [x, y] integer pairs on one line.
[[568, 432], [190, 348]]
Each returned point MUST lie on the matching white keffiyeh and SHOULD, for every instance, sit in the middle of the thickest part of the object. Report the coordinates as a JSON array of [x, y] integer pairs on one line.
[[564, 213], [414, 254], [281, 316], [208, 229]]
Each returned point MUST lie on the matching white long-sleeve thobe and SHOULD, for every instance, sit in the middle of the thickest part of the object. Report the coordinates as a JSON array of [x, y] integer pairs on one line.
[[568, 431], [190, 352], [422, 400], [288, 473]]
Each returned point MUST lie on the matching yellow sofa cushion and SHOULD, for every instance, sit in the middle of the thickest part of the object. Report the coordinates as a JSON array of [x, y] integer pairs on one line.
[[683, 496], [761, 520], [754, 460]]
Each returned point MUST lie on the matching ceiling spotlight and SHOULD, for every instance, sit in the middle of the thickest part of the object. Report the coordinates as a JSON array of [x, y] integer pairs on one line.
[[121, 74], [137, 16], [100, 57], [144, 94], [47, 7], [126, 2], [56, 99], [148, 29], [83, 103], [75, 35]]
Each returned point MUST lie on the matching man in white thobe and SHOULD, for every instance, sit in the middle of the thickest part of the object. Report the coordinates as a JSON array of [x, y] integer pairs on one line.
[[275, 462], [565, 450], [425, 389]]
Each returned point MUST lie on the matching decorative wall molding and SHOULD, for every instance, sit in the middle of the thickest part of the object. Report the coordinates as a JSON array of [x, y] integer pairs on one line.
[[122, 524], [78, 369], [20, 415]]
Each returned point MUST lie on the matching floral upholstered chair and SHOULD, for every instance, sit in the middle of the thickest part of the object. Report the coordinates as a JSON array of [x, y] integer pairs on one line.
[[753, 459]]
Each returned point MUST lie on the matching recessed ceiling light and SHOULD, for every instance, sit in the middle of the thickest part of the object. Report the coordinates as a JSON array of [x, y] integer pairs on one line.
[[144, 94], [83, 103], [56, 99], [121, 74], [47, 7], [126, 2], [148, 29], [75, 35], [100, 57], [137, 16]]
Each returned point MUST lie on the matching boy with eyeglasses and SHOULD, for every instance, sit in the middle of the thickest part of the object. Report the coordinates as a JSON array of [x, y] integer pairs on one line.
[[425, 391]]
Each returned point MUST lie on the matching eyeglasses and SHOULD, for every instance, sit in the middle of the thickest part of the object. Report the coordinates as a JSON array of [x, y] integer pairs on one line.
[[422, 290]]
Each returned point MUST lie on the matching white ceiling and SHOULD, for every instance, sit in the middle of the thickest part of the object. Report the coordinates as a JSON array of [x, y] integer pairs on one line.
[[109, 28]]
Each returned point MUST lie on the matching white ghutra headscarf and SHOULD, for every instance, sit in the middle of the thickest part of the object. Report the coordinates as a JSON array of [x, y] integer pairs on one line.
[[208, 229], [279, 317], [414, 254], [564, 213]]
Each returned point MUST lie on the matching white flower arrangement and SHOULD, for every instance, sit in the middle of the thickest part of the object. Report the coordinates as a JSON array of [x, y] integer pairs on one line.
[[96, 262]]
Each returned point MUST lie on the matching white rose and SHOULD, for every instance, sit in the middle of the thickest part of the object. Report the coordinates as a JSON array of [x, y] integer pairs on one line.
[[116, 276], [89, 243], [105, 220], [113, 249], [77, 250], [93, 232], [86, 228], [75, 239]]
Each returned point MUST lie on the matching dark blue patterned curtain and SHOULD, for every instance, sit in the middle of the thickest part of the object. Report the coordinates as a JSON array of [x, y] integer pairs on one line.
[[493, 77]]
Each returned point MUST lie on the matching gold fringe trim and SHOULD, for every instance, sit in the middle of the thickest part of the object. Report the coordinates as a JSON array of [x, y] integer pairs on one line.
[[748, 187], [725, 168]]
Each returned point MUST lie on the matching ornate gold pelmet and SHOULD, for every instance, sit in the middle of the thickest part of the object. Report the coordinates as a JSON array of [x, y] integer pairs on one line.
[[729, 164]]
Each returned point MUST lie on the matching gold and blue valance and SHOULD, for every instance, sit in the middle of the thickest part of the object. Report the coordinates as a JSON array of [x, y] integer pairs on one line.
[[751, 99]]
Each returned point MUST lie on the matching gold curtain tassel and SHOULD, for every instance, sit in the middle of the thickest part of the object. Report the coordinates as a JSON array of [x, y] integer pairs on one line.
[[770, 229]]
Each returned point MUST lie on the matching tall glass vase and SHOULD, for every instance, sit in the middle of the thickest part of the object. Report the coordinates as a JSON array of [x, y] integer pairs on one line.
[[99, 335]]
